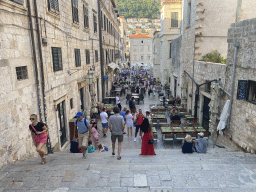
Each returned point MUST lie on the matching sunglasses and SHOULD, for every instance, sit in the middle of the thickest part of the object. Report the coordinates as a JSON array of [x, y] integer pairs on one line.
[[32, 119]]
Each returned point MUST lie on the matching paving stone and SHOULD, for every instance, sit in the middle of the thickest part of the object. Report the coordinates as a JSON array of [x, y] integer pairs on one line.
[[126, 174], [138, 189], [164, 175], [119, 189], [102, 182], [140, 180], [114, 184], [153, 189], [154, 181], [127, 182]]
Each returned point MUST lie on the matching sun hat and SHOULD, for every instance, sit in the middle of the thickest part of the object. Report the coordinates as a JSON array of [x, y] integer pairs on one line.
[[201, 134]]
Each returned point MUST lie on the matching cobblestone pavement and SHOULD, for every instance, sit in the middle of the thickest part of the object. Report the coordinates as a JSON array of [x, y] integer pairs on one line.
[[220, 170]]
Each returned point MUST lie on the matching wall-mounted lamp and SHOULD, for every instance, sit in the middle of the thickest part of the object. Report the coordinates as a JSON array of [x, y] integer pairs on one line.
[[89, 77]]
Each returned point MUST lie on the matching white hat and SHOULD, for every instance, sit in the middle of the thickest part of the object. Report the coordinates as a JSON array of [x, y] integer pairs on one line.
[[201, 134]]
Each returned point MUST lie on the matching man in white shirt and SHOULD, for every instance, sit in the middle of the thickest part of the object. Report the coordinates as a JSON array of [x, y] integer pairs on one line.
[[104, 121], [118, 102]]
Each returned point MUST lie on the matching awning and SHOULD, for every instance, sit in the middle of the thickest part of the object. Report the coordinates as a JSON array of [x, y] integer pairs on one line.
[[113, 66]]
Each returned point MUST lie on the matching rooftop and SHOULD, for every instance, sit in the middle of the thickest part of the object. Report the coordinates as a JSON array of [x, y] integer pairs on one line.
[[140, 35]]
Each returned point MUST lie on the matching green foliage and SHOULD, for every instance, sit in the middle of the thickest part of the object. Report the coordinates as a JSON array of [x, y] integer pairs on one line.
[[139, 8], [144, 31], [214, 57]]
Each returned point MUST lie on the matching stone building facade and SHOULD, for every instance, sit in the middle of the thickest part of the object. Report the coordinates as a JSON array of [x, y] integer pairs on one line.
[[141, 49], [242, 130], [124, 32], [171, 16], [156, 54], [111, 39], [205, 87], [67, 63]]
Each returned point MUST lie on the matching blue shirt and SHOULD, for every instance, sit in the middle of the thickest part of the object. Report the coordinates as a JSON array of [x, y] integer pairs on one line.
[[91, 149], [81, 126], [123, 114]]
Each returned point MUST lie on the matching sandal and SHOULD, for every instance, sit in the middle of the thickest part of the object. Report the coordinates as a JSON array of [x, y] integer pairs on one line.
[[43, 160], [119, 158]]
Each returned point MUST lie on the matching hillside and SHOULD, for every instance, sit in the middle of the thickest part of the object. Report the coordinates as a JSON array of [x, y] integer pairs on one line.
[[138, 8]]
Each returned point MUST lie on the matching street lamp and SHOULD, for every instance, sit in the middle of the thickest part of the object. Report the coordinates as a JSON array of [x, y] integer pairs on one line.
[[89, 77]]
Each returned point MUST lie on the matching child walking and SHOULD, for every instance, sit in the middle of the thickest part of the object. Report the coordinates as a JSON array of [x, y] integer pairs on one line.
[[95, 134]]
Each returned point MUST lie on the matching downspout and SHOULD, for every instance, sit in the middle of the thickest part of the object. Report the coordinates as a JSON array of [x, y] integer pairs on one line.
[[40, 60], [101, 51], [49, 148], [35, 61], [236, 45]]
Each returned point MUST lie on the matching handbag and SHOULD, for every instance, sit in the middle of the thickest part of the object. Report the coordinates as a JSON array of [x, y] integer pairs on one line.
[[40, 137], [151, 141], [135, 122]]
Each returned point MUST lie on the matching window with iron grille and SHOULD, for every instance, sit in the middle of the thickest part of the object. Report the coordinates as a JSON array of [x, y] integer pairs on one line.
[[95, 23], [189, 14], [77, 58], [53, 5], [87, 54], [21, 2], [22, 73], [174, 21], [57, 58], [86, 17], [101, 17], [75, 11], [71, 103], [96, 56]]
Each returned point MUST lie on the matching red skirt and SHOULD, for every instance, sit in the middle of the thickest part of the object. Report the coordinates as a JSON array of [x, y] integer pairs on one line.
[[42, 138], [147, 149]]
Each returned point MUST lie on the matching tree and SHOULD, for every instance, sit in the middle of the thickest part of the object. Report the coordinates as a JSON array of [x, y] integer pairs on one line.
[[139, 8]]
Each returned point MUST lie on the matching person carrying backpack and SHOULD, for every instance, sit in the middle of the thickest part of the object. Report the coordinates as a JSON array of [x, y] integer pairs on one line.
[[84, 132], [132, 106]]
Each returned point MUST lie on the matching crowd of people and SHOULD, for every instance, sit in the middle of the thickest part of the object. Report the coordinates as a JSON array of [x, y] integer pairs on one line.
[[88, 133]]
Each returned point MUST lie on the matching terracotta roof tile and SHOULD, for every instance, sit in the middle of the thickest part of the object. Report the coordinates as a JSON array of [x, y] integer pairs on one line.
[[140, 35]]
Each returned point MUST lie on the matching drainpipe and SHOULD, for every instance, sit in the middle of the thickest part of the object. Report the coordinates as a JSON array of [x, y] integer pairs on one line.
[[40, 60], [49, 148], [101, 51], [34, 58], [236, 45]]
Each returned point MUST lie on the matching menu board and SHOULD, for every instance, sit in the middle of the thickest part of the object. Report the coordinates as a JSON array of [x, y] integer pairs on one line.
[[242, 90]]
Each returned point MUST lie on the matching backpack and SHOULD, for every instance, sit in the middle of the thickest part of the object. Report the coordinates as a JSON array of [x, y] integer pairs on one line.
[[84, 123], [131, 104]]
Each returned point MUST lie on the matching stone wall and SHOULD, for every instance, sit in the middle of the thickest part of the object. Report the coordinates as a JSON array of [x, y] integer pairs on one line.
[[18, 98], [242, 131], [176, 61]]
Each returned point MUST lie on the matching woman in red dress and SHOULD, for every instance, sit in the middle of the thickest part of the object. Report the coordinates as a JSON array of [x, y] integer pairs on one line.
[[146, 149]]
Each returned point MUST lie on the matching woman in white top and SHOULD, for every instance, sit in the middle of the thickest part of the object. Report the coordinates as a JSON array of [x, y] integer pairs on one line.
[[129, 122]]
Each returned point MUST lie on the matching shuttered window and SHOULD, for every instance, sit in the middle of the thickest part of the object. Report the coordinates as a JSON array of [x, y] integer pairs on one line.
[[22, 73], [96, 56], [53, 5], [77, 58], [75, 11], [87, 54], [170, 52], [95, 23], [86, 17], [21, 2], [57, 59], [174, 19]]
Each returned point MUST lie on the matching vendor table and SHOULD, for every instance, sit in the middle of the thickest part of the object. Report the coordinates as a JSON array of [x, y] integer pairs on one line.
[[159, 117], [108, 107]]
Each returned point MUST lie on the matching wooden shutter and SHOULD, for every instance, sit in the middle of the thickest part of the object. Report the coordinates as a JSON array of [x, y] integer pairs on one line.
[[56, 58], [242, 90], [56, 5], [77, 57], [21, 2]]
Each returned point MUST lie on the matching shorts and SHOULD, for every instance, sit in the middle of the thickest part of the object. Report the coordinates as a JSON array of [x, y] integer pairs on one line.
[[104, 125], [133, 110], [137, 128], [120, 138], [83, 139]]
